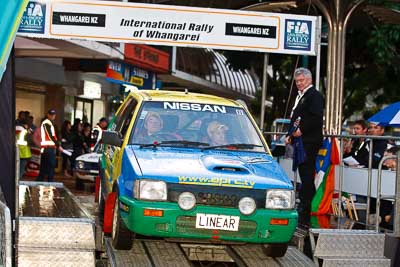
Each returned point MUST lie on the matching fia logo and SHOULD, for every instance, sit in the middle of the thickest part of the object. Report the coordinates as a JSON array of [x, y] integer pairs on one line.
[[298, 34], [34, 9], [298, 27], [33, 20]]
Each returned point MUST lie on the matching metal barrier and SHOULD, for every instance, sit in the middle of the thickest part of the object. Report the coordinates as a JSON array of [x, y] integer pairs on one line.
[[396, 220], [396, 225], [5, 236]]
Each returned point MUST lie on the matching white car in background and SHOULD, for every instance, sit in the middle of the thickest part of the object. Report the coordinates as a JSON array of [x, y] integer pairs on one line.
[[87, 168]]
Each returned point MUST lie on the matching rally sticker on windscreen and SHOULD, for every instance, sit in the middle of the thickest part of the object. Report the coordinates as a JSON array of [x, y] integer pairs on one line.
[[194, 107]]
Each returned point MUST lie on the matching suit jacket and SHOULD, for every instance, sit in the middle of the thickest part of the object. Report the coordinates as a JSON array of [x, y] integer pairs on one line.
[[310, 108]]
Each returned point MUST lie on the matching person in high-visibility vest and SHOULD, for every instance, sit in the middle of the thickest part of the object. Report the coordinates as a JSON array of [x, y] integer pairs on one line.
[[21, 132], [97, 131], [48, 144]]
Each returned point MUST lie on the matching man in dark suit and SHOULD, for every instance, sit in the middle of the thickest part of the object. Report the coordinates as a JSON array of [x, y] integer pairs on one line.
[[309, 108]]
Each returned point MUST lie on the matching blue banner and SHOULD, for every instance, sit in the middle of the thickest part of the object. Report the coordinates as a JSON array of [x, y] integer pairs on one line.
[[10, 13]]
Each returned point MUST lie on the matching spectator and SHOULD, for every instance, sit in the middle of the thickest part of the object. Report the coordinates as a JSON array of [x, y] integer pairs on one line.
[[21, 118], [379, 145], [390, 164], [31, 125], [22, 142], [387, 209], [66, 143], [357, 148], [48, 144], [77, 142], [87, 137], [98, 129]]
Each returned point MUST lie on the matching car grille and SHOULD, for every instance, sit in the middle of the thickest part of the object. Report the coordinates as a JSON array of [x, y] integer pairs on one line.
[[187, 225], [216, 195]]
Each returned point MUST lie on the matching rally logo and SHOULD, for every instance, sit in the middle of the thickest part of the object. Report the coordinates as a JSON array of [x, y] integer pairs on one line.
[[298, 34], [33, 19]]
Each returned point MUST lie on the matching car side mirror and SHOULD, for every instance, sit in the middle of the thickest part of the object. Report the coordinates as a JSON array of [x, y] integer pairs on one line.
[[111, 138]]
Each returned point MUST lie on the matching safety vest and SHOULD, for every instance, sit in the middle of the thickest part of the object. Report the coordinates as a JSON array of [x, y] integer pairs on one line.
[[98, 138], [46, 140], [21, 136]]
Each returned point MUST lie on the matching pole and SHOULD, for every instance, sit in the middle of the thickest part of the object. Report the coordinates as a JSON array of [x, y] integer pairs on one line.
[[371, 148], [318, 67], [396, 222], [264, 91], [7, 133]]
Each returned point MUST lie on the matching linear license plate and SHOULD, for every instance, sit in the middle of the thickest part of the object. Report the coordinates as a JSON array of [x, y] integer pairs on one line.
[[219, 222]]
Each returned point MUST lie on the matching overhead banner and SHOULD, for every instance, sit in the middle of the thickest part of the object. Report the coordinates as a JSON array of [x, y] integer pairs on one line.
[[180, 26]]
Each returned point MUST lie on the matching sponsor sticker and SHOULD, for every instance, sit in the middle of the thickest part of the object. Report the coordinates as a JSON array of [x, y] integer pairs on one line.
[[298, 34], [217, 181], [194, 107]]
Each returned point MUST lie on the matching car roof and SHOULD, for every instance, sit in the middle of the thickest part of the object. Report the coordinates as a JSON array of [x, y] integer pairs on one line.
[[163, 95]]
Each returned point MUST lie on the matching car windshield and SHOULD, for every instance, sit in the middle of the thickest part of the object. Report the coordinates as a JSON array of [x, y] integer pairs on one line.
[[205, 126]]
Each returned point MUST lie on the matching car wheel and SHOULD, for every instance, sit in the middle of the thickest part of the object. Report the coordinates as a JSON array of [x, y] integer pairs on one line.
[[121, 236], [275, 250]]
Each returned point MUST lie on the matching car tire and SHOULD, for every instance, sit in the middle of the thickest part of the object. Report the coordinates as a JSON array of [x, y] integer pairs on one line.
[[275, 250], [122, 238]]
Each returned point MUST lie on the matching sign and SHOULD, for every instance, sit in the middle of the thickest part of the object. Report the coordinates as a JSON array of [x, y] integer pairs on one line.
[[34, 18], [91, 90], [297, 34], [180, 26], [122, 73], [147, 57]]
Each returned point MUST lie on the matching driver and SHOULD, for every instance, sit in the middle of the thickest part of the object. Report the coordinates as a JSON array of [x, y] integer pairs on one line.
[[216, 133], [152, 125]]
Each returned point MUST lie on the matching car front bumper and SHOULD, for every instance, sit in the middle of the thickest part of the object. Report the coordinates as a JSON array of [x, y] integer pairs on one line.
[[177, 223]]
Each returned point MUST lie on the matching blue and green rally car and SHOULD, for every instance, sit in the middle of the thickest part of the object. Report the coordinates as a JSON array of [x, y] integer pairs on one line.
[[193, 166]]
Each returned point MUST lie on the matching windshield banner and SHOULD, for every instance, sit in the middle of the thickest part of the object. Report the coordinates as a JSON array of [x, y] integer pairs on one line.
[[180, 26]]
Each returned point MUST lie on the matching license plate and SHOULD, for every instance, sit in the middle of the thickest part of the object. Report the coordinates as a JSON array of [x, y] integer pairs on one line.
[[218, 222]]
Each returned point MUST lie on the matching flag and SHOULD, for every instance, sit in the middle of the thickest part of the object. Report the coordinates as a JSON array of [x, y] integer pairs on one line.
[[10, 13], [299, 155], [327, 158]]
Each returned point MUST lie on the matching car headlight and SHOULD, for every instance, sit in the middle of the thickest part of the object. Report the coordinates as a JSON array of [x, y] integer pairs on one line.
[[279, 199], [80, 164], [150, 190], [247, 205], [186, 201]]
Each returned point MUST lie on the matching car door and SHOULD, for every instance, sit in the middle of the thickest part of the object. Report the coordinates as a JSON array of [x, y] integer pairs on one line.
[[113, 154]]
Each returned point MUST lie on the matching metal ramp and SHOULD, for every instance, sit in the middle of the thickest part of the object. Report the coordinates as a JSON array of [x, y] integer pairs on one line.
[[147, 253], [253, 255], [157, 253], [338, 247], [52, 229]]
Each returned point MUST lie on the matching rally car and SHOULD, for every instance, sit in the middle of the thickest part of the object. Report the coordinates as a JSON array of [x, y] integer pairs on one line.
[[165, 173]]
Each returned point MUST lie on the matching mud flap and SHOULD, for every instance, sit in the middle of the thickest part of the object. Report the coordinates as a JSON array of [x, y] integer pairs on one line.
[[108, 212]]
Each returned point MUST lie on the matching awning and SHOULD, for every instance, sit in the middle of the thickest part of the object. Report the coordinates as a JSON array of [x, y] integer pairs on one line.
[[208, 71], [41, 47]]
